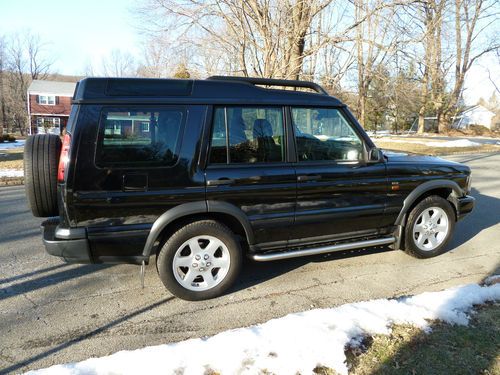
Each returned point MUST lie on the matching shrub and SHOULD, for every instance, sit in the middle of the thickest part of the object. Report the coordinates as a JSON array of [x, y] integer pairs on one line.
[[7, 138]]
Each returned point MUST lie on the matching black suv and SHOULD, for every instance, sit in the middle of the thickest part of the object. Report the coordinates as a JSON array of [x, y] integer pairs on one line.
[[199, 173]]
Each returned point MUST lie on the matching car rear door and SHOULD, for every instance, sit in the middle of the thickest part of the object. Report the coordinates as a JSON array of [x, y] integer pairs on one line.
[[339, 194], [247, 169], [134, 163]]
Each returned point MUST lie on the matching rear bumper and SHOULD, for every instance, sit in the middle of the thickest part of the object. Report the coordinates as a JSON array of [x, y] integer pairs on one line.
[[70, 245], [465, 205]]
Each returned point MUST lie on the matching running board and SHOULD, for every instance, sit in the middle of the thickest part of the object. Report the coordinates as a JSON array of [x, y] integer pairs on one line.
[[322, 249]]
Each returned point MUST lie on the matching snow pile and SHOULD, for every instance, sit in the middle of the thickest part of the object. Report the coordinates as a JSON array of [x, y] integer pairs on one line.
[[294, 343], [11, 173], [11, 145]]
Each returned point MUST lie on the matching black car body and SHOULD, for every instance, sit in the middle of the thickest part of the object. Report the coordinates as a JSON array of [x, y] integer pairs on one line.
[[145, 157]]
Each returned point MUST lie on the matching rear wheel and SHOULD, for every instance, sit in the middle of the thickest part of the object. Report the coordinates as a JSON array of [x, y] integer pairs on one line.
[[200, 261], [41, 159], [429, 227]]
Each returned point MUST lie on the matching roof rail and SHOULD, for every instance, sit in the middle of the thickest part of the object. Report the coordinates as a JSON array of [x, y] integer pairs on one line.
[[273, 82]]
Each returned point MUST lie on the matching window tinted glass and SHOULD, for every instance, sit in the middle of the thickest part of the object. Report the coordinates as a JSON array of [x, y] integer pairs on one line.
[[140, 137], [256, 135], [324, 134], [218, 150]]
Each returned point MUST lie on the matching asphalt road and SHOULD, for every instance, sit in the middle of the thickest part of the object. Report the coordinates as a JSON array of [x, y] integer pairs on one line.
[[51, 312]]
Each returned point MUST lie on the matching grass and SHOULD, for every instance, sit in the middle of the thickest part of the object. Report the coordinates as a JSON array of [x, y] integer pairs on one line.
[[430, 150], [449, 349], [11, 159]]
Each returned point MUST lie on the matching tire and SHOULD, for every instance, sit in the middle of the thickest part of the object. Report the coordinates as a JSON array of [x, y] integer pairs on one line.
[[41, 159], [429, 227], [193, 252]]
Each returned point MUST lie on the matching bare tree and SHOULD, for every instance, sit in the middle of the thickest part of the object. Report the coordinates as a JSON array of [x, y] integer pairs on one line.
[[3, 107], [119, 64], [266, 38], [26, 60], [374, 45], [472, 18]]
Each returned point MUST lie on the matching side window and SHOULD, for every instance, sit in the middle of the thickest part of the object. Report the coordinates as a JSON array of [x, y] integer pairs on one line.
[[138, 137], [324, 134], [247, 135]]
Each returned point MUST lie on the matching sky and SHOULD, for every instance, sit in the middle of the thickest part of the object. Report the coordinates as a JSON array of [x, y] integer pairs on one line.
[[83, 32], [76, 31]]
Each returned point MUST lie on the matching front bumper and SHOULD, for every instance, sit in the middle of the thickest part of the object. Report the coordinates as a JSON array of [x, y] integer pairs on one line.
[[464, 206], [72, 248]]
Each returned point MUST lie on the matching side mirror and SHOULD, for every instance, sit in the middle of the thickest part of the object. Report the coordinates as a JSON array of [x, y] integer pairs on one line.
[[375, 155]]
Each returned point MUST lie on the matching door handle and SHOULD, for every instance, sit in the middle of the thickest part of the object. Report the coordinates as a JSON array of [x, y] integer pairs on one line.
[[220, 181], [308, 177]]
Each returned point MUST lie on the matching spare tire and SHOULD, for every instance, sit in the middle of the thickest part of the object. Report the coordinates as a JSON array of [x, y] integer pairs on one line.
[[41, 159]]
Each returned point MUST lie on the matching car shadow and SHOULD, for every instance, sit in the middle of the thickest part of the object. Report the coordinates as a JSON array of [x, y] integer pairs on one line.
[[255, 273], [485, 215], [33, 273], [51, 279]]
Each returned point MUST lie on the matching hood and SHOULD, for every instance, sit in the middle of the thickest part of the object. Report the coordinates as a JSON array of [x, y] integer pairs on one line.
[[395, 157], [408, 157]]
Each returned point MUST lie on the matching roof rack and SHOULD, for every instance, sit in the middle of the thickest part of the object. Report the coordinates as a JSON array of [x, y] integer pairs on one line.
[[273, 82]]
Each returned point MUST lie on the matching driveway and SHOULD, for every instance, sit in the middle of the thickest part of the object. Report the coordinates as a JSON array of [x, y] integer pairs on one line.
[[51, 312]]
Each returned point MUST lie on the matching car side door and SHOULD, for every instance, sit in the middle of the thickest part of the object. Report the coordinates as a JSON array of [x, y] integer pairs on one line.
[[248, 169], [339, 193]]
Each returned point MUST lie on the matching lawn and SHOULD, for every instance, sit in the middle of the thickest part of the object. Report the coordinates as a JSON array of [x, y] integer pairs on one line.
[[11, 160], [448, 349], [412, 145]]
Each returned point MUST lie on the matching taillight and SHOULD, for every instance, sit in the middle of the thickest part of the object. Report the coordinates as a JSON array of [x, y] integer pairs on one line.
[[64, 158]]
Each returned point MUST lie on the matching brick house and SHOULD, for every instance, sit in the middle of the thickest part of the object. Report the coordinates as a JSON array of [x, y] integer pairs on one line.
[[49, 105]]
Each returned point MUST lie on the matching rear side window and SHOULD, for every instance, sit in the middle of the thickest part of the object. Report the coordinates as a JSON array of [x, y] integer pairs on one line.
[[138, 137], [247, 135]]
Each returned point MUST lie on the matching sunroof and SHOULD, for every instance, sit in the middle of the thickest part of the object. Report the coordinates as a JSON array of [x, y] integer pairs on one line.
[[149, 87]]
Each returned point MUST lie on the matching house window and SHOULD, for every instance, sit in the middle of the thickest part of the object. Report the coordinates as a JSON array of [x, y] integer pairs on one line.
[[48, 121], [47, 99]]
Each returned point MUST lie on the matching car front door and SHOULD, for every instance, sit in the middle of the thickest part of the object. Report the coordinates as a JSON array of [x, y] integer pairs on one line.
[[247, 169], [339, 194]]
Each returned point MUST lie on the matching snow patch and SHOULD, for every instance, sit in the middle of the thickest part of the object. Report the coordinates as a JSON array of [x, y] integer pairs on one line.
[[11, 173], [457, 143], [295, 343], [11, 145]]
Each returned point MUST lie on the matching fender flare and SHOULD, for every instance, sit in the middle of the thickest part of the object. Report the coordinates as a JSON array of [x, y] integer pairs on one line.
[[192, 208], [422, 189]]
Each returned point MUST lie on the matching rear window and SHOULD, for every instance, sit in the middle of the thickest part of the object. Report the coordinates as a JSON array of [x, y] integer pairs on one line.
[[138, 137]]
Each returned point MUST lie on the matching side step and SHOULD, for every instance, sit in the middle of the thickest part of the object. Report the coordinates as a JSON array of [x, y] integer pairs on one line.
[[322, 249]]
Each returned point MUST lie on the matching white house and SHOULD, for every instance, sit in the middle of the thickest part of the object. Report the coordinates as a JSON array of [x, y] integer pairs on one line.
[[475, 115]]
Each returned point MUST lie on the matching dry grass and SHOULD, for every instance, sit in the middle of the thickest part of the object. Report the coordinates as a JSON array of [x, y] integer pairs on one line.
[[449, 349], [430, 150], [11, 159]]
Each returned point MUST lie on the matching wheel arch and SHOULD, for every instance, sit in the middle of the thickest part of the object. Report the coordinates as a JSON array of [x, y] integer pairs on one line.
[[446, 189], [175, 218]]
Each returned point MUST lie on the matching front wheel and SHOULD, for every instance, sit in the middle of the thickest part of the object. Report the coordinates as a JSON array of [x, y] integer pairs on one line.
[[200, 261], [429, 227]]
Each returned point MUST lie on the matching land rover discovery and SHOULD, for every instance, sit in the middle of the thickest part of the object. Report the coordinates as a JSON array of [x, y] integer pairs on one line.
[[200, 173]]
